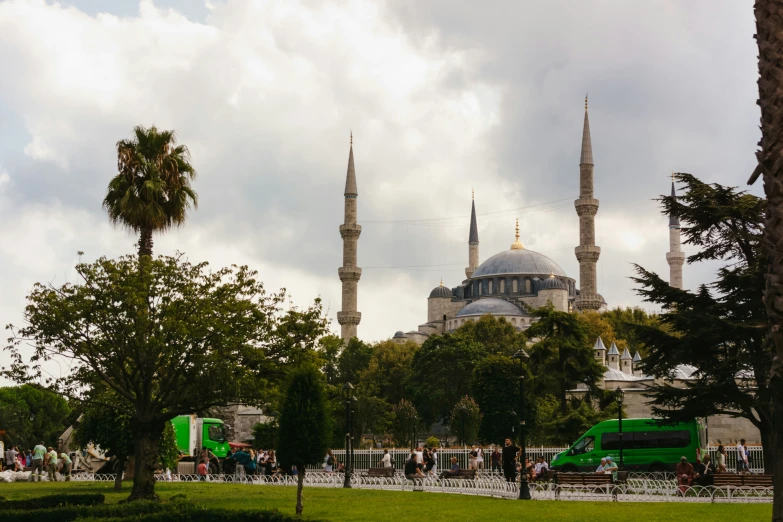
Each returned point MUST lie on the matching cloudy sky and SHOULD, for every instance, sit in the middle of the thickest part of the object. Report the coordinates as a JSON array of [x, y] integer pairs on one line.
[[442, 96]]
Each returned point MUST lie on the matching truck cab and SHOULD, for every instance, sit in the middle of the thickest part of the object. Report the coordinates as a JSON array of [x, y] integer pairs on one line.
[[193, 433]]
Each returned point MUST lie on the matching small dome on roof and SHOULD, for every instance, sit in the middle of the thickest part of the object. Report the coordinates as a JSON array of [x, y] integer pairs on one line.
[[441, 291], [490, 305], [552, 283], [399, 335]]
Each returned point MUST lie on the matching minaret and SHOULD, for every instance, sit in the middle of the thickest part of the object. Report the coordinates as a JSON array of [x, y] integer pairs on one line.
[[586, 208], [473, 240], [349, 317], [675, 256]]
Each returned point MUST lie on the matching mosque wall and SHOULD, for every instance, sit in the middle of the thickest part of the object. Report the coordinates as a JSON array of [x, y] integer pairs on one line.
[[437, 307], [559, 299]]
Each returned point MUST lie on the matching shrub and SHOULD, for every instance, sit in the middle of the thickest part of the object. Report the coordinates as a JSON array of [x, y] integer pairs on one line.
[[69, 513], [50, 501], [432, 442], [180, 512]]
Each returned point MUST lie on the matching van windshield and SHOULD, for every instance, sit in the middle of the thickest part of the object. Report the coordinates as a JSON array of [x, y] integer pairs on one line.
[[217, 433], [583, 446]]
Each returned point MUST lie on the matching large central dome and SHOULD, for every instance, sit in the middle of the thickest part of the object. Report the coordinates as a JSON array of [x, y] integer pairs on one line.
[[518, 261]]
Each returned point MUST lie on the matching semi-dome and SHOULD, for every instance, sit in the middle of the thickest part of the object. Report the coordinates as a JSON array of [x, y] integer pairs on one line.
[[552, 283], [441, 291], [399, 334], [519, 261], [490, 305]]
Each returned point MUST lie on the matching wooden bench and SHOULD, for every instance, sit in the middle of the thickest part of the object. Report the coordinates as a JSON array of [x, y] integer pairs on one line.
[[742, 481], [379, 473], [469, 474]]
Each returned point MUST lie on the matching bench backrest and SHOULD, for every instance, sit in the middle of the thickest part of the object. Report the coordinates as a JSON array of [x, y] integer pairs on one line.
[[730, 479], [380, 472], [583, 478]]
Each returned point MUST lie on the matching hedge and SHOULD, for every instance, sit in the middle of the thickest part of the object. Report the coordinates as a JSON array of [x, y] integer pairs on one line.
[[50, 501], [70, 513], [180, 512]]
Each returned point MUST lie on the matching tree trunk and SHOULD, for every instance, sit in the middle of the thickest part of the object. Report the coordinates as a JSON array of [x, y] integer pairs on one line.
[[119, 471], [769, 37], [146, 442], [299, 485], [145, 242]]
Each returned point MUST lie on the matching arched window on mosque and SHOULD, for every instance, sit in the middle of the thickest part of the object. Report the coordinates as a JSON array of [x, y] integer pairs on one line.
[[490, 285], [514, 286], [502, 286], [527, 286]]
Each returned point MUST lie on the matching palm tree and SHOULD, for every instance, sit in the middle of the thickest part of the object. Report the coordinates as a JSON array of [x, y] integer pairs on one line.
[[769, 37], [151, 191]]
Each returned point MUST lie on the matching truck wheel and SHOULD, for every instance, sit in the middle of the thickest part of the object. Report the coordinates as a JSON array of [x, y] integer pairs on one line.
[[213, 468], [569, 468]]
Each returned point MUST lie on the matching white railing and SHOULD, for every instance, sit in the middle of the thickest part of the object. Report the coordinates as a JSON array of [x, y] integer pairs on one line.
[[370, 458], [637, 489]]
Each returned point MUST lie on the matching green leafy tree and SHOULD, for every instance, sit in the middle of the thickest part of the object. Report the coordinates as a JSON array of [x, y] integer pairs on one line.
[[719, 328], [465, 420], [151, 192], [554, 428], [329, 348], [405, 423], [495, 388], [442, 370], [353, 360], [265, 435], [110, 429], [304, 426], [387, 373], [169, 340], [43, 414], [624, 322], [563, 356], [495, 334], [371, 415]]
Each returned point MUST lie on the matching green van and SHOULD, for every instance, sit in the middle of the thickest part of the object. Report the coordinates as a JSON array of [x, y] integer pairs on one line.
[[647, 446]]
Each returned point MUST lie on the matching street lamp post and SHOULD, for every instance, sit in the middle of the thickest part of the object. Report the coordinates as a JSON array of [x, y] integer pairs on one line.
[[347, 395], [354, 400], [524, 489], [620, 394]]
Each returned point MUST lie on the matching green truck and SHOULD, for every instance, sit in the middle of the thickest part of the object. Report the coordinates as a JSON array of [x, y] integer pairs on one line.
[[193, 433], [647, 446]]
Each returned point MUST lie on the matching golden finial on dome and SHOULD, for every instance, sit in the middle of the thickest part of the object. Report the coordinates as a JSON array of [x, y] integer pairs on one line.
[[441, 282], [517, 245], [551, 274]]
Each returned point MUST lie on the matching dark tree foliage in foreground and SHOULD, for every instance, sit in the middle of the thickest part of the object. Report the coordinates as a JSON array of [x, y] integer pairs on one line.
[[718, 328], [495, 387], [304, 424], [166, 336]]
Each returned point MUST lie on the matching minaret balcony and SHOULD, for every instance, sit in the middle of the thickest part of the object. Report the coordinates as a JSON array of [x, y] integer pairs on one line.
[[586, 206], [675, 258], [588, 253], [349, 318], [350, 231], [349, 273]]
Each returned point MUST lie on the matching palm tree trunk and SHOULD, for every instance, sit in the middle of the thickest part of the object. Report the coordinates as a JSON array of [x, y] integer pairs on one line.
[[769, 37], [145, 242], [299, 485]]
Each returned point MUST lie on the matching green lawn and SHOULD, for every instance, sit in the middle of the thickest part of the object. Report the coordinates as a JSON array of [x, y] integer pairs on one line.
[[395, 506]]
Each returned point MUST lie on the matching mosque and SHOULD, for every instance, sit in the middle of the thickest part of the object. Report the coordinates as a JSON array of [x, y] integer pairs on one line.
[[510, 283]]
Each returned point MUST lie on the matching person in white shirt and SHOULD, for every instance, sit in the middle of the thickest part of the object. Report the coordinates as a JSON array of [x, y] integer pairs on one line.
[[742, 457], [386, 460], [435, 459], [419, 456], [542, 468], [479, 458]]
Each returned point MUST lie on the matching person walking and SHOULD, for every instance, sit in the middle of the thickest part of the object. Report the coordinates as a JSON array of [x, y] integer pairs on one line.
[[386, 460], [202, 471], [329, 461], [721, 458], [10, 457], [742, 457], [495, 459], [51, 464], [36, 462], [472, 458], [479, 458], [509, 456], [67, 465]]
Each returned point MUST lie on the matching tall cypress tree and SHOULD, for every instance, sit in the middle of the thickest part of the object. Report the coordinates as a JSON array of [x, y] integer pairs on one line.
[[718, 328], [304, 428]]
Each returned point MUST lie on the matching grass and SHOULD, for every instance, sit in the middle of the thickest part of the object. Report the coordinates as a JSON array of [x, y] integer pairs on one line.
[[395, 506]]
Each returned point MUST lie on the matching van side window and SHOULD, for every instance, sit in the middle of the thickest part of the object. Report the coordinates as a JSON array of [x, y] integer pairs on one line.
[[646, 440], [583, 446]]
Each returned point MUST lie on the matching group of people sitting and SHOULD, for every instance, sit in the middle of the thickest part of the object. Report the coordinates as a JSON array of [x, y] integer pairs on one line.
[[422, 462], [702, 474]]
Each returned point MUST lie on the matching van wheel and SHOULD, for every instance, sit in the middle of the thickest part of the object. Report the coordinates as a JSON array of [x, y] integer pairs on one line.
[[657, 468], [569, 468]]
